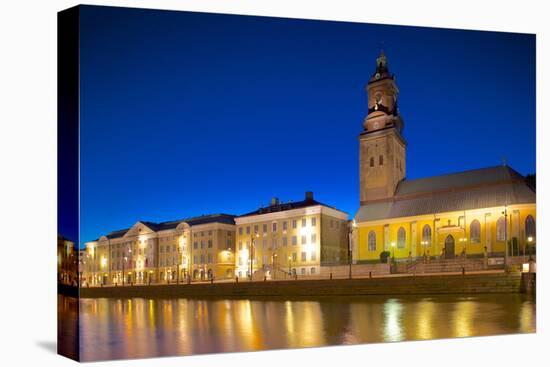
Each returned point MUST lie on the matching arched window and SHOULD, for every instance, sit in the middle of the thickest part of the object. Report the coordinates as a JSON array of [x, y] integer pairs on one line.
[[401, 237], [501, 235], [530, 230], [372, 161], [475, 231], [372, 241], [427, 234]]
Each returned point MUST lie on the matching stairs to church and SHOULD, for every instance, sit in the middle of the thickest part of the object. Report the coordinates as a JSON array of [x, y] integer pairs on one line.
[[446, 265]]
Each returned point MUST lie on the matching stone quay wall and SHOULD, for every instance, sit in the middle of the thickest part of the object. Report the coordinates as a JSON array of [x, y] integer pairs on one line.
[[395, 285]]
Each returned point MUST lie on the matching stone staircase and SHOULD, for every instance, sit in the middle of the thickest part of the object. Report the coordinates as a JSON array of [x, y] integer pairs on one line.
[[446, 265]]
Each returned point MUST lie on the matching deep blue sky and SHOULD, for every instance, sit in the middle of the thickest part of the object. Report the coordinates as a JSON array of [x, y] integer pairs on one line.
[[185, 114]]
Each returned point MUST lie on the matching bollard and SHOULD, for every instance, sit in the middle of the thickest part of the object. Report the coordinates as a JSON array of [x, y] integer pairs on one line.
[[211, 280], [370, 274], [330, 276], [236, 279], [463, 271]]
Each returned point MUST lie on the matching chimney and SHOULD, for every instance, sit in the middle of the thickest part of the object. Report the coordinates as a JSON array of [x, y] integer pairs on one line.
[[274, 201], [309, 195]]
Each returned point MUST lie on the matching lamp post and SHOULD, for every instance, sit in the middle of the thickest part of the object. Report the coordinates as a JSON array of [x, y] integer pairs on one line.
[[529, 241], [273, 257], [289, 265], [123, 274], [505, 212], [252, 239]]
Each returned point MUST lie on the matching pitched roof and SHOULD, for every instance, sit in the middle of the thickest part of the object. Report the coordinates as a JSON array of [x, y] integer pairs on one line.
[[474, 189], [280, 207], [193, 221]]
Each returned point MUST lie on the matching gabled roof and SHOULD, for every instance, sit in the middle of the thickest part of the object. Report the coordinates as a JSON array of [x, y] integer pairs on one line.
[[286, 206], [474, 189], [193, 221]]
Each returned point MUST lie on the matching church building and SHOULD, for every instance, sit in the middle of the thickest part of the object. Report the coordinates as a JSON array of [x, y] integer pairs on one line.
[[472, 213]]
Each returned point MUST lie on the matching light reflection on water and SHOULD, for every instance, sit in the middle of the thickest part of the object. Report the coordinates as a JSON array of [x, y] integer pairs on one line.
[[136, 328]]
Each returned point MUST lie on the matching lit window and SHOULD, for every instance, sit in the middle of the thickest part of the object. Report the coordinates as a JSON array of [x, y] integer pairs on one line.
[[313, 238], [313, 255], [274, 227], [294, 223], [401, 237], [304, 256], [372, 241], [240, 231], [247, 230], [304, 222], [426, 234], [530, 230], [209, 243], [475, 231], [304, 240], [294, 240], [501, 234], [294, 256], [284, 226]]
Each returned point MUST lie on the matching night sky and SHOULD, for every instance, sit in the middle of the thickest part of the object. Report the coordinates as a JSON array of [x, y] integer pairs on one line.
[[184, 114]]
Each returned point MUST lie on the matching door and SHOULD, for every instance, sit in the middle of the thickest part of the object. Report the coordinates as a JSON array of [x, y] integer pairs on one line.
[[449, 247]]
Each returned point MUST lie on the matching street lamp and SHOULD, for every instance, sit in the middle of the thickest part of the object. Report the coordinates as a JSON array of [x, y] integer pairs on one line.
[[289, 265]]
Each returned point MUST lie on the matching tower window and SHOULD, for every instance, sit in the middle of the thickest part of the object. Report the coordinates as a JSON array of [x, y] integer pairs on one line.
[[381, 160], [371, 161]]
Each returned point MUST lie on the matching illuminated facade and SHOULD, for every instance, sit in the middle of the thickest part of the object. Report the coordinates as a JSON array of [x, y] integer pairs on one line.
[[472, 212], [200, 248], [67, 261], [294, 238]]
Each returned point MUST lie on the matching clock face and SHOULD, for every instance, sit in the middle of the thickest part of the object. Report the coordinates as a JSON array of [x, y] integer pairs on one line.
[[377, 75]]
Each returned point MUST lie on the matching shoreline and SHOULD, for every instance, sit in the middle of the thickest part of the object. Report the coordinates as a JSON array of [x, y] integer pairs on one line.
[[468, 284]]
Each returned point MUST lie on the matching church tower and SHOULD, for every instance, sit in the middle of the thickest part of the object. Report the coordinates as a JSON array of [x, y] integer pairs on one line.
[[382, 149]]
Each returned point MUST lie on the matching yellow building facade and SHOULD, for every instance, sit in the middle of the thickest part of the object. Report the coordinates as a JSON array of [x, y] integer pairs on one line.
[[473, 212], [200, 248], [283, 240]]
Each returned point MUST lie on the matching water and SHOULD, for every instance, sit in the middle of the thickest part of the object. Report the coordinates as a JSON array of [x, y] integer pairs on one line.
[[137, 328]]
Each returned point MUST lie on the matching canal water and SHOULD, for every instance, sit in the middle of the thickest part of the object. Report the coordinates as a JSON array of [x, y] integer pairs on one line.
[[138, 327]]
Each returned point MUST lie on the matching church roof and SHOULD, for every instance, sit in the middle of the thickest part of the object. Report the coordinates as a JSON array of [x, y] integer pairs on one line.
[[474, 189]]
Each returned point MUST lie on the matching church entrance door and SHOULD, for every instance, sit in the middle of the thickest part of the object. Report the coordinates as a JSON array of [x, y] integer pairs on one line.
[[449, 247]]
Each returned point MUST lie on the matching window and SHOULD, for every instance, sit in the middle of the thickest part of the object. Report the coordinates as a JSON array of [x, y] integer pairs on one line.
[[304, 240], [313, 222], [372, 161], [202, 259], [381, 160], [209, 258], [284, 226], [256, 228], [285, 241], [274, 243], [209, 233], [228, 243], [294, 256], [240, 245], [304, 256], [304, 222], [209, 243], [294, 223], [247, 230], [530, 230], [372, 241], [240, 231], [202, 234], [313, 238], [264, 228], [264, 243], [312, 271], [426, 234], [303, 271], [475, 231], [195, 259], [274, 227], [313, 256], [294, 240], [202, 244], [161, 248], [401, 237], [501, 235], [264, 260]]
